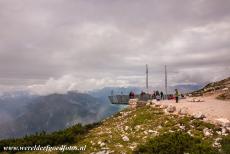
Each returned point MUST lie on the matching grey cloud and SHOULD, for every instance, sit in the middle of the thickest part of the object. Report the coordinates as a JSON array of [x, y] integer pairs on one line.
[[112, 40]]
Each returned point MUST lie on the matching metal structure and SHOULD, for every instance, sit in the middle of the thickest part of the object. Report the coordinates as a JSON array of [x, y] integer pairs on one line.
[[147, 78], [166, 83], [124, 99]]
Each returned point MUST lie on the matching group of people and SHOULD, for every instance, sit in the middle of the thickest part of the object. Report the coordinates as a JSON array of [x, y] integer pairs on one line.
[[156, 95]]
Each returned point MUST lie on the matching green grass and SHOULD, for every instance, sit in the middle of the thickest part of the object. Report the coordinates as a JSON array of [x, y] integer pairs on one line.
[[225, 142], [169, 139], [68, 136], [175, 143]]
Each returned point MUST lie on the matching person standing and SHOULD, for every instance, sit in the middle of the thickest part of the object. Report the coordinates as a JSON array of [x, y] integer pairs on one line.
[[162, 95], [177, 95]]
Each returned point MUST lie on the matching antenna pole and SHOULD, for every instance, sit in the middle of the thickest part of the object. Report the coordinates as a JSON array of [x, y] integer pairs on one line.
[[147, 77], [166, 83]]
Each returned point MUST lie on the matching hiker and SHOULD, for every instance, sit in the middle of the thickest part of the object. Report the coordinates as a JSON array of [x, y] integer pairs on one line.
[[142, 95], [177, 95], [153, 95], [131, 95], [162, 95], [158, 98]]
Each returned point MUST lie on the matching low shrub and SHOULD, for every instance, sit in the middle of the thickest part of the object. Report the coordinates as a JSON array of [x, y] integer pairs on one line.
[[176, 143]]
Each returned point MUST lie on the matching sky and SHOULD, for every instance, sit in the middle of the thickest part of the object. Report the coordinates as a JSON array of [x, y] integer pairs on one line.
[[51, 46]]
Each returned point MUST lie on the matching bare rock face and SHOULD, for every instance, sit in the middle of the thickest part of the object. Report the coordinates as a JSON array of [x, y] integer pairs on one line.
[[223, 122], [198, 115], [183, 111], [171, 109]]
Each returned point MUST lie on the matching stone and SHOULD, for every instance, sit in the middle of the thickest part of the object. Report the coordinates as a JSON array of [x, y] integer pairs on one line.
[[102, 144], [223, 122], [102, 152], [207, 132], [171, 109], [198, 115], [125, 138], [182, 127], [163, 106], [126, 128], [224, 130], [137, 127], [183, 111], [145, 132]]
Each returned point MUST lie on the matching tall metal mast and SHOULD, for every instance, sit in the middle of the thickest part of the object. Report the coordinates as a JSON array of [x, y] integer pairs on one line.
[[147, 77], [166, 83]]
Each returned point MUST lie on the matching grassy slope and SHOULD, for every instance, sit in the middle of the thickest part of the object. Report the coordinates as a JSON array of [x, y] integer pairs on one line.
[[135, 124]]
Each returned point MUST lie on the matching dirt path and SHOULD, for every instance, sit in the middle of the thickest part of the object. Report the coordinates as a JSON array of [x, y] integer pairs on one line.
[[211, 107]]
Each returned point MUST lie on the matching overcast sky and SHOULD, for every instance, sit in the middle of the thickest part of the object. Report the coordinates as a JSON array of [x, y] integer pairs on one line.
[[57, 45]]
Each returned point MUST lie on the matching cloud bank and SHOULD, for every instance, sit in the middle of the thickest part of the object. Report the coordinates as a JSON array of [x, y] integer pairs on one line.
[[57, 45]]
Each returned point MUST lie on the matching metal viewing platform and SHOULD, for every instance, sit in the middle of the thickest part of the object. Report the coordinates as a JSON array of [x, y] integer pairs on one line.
[[124, 99]]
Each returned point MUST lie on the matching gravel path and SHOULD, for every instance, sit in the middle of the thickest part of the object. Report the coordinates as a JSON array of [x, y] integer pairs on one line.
[[211, 107]]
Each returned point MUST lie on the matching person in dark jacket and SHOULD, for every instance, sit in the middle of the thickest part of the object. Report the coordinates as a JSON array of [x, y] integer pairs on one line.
[[162, 95], [131, 95]]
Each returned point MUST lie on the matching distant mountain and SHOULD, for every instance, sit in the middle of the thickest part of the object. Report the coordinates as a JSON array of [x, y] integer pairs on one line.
[[49, 113]]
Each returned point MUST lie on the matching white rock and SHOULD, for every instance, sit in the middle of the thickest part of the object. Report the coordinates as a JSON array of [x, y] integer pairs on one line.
[[126, 128], [102, 144], [171, 109], [207, 132], [150, 131], [225, 89], [223, 122], [125, 138], [102, 152], [182, 127], [198, 115], [138, 127], [145, 132], [163, 106], [183, 111], [219, 132], [224, 130]]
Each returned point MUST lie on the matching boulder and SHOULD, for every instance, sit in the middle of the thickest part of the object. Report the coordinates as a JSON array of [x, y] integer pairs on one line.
[[171, 109], [198, 115], [223, 122], [183, 111]]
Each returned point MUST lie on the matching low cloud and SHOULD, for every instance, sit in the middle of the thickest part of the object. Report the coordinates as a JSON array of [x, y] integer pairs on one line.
[[52, 46]]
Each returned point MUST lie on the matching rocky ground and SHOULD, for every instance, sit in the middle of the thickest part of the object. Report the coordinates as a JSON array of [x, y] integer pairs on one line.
[[123, 132]]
